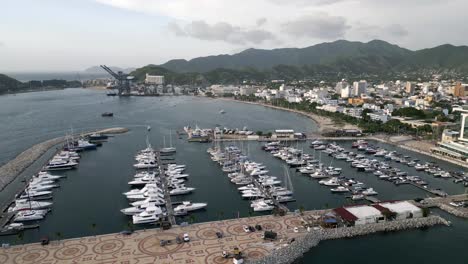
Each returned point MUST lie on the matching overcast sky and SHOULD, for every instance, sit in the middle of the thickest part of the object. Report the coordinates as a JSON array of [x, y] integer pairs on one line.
[[69, 35]]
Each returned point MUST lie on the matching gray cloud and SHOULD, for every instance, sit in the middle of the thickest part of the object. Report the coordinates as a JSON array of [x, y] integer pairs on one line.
[[261, 21], [397, 30], [373, 31], [221, 32], [319, 26], [305, 2]]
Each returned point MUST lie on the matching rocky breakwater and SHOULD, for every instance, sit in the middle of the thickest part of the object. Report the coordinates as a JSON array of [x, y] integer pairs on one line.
[[288, 253], [13, 168]]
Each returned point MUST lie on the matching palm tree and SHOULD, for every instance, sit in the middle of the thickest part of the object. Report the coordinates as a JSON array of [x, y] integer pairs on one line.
[[20, 237], [221, 214], [93, 227], [58, 234], [301, 209], [130, 225], [192, 218]]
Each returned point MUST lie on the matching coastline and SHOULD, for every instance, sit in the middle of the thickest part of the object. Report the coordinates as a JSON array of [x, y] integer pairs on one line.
[[323, 123], [326, 124]]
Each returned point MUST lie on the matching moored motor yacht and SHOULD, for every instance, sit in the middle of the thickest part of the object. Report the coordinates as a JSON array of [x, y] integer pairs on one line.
[[24, 204], [189, 206], [339, 189], [150, 215], [29, 215]]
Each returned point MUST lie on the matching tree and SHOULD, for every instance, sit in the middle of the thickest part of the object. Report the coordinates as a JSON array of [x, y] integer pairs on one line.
[[301, 209], [58, 234], [259, 133], [93, 227], [192, 218]]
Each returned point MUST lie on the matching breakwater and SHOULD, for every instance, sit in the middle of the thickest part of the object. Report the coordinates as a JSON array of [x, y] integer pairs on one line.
[[288, 253], [13, 168]]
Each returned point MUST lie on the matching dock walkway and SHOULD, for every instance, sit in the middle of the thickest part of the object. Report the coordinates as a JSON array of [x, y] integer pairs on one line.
[[204, 247]]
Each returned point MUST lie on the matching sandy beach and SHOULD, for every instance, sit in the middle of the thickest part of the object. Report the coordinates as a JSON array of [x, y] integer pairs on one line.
[[324, 123]]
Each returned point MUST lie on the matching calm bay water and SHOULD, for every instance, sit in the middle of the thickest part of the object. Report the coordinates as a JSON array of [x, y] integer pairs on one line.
[[92, 193]]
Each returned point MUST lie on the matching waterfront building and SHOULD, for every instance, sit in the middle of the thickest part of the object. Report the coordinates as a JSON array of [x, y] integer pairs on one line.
[[247, 90], [450, 146], [283, 134], [403, 209], [154, 79], [360, 215], [221, 90]]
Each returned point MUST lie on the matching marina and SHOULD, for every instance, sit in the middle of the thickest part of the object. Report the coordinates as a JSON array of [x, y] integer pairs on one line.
[[112, 166]]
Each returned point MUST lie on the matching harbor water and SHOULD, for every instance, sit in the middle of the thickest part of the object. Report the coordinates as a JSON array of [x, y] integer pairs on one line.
[[89, 200]]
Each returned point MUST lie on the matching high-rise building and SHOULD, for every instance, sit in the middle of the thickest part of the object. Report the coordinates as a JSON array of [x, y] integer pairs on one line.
[[410, 88], [460, 90], [340, 85], [359, 88], [346, 92]]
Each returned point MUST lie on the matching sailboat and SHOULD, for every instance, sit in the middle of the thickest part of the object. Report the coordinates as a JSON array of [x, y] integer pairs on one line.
[[170, 149]]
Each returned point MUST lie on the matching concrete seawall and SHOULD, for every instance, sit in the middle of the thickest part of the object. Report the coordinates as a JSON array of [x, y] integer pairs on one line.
[[290, 252], [13, 168]]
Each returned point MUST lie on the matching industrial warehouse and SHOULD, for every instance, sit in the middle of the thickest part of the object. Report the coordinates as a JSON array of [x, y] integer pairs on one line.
[[375, 213]]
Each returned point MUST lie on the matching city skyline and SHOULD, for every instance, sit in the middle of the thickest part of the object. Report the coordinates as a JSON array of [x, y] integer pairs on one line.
[[56, 36]]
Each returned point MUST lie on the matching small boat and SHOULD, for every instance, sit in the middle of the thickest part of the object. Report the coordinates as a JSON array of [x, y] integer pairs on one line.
[[369, 192], [107, 114], [222, 111], [29, 215], [357, 197], [97, 136], [339, 189], [189, 206], [150, 215]]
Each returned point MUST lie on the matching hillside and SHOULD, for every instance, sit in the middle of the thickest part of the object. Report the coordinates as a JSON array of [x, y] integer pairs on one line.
[[9, 84], [373, 57], [320, 54]]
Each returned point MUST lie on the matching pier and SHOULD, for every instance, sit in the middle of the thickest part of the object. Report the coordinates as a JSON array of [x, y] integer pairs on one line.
[[205, 246], [167, 196], [15, 167]]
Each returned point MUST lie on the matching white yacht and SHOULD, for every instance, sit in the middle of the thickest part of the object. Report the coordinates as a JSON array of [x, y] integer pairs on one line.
[[188, 206], [138, 209], [369, 192], [155, 200], [150, 215], [60, 165], [262, 206], [357, 197], [35, 194], [181, 190], [29, 215], [339, 189], [333, 182], [145, 164], [40, 187], [24, 204]]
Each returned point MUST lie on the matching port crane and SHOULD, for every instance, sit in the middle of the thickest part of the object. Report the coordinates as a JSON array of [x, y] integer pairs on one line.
[[123, 80]]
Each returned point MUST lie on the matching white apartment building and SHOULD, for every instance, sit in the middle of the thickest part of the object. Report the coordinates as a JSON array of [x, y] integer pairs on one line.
[[154, 79]]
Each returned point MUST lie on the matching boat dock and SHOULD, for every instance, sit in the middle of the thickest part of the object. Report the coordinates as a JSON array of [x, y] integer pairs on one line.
[[372, 199], [205, 245], [167, 196]]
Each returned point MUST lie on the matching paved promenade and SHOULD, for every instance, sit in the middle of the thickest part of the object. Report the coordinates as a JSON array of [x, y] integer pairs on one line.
[[144, 246], [204, 246]]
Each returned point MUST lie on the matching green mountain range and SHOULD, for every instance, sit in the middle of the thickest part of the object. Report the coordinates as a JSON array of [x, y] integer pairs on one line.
[[325, 61]]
